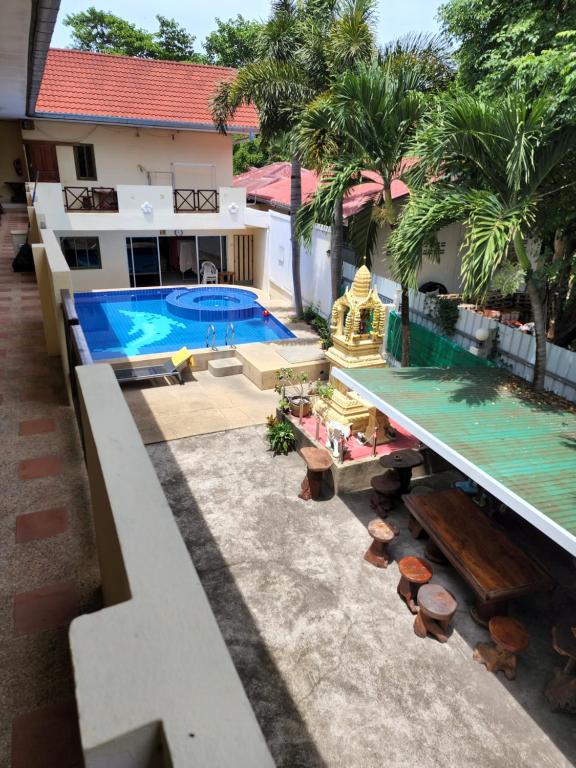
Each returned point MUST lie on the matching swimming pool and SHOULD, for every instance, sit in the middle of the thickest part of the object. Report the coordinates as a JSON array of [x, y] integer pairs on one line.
[[148, 321]]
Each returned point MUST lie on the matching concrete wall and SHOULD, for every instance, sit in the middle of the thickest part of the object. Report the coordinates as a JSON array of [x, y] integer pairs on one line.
[[124, 154], [10, 150], [155, 684], [314, 263], [446, 271], [114, 272]]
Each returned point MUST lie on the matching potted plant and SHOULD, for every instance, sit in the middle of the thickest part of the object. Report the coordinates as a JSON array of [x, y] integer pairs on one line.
[[281, 436], [298, 399]]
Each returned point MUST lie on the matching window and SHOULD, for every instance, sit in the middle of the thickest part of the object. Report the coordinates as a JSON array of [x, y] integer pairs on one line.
[[81, 252], [84, 159]]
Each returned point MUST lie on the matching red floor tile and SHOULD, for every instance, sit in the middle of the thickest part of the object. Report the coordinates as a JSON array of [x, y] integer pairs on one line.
[[41, 525], [36, 427], [43, 466], [45, 608], [47, 738]]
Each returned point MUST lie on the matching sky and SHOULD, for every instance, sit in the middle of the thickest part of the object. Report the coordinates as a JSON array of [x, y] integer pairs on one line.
[[395, 17]]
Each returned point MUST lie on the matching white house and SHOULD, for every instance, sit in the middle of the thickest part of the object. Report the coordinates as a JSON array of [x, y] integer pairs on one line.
[[131, 175], [268, 189]]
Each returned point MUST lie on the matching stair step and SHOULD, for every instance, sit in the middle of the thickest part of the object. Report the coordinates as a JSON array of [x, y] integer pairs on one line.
[[226, 366]]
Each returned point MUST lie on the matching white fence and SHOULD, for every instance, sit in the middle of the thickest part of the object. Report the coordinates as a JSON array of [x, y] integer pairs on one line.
[[516, 350]]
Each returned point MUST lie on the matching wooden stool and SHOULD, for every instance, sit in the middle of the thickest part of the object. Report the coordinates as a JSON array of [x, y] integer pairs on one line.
[[317, 461], [385, 487], [413, 525], [509, 638], [561, 690], [437, 607], [382, 534], [414, 572]]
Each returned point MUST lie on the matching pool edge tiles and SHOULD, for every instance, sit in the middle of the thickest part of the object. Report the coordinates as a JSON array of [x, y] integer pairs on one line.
[[134, 322]]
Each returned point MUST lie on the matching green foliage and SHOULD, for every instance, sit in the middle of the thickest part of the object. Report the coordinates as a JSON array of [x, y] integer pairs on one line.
[[280, 436], [502, 41], [442, 311], [319, 324], [490, 159], [249, 154], [234, 43], [101, 31], [288, 377], [324, 390]]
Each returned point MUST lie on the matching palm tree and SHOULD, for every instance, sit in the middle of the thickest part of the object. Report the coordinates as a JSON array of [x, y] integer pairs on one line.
[[374, 111], [366, 123], [485, 163], [302, 46]]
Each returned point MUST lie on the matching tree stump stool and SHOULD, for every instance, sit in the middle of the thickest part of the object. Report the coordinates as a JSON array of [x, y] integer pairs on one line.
[[414, 572], [385, 487], [382, 534], [561, 690], [317, 461], [509, 637], [437, 608], [413, 525]]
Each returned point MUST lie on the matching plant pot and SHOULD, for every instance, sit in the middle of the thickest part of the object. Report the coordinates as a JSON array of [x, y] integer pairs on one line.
[[295, 403]]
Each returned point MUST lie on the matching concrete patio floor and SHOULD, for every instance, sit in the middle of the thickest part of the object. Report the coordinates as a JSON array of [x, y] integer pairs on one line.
[[205, 404], [323, 644]]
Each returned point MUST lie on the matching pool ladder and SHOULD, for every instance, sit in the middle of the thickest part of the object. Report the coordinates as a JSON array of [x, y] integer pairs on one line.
[[211, 332], [229, 337]]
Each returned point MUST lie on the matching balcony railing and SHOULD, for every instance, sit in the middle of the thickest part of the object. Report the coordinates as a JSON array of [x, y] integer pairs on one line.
[[90, 199], [196, 200]]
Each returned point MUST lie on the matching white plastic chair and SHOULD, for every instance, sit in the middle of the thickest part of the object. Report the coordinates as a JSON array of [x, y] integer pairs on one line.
[[208, 272]]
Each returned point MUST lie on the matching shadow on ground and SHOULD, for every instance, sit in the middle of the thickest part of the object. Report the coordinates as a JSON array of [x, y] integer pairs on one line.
[[324, 646]]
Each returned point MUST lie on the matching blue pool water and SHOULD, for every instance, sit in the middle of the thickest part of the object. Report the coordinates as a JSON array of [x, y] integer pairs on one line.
[[148, 321]]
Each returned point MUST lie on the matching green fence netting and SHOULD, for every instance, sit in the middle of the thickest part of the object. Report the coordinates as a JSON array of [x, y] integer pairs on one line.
[[428, 349]]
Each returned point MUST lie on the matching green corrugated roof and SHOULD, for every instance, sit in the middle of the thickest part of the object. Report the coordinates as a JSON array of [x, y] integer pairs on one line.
[[519, 446]]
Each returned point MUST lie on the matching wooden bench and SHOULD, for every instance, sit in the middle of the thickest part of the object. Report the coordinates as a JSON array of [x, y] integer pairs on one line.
[[495, 568]]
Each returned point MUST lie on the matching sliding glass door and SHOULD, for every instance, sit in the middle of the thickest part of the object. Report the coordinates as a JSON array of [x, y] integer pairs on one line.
[[143, 261]]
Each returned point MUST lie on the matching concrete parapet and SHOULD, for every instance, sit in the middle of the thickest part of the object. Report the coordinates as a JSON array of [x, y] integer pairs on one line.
[[155, 683]]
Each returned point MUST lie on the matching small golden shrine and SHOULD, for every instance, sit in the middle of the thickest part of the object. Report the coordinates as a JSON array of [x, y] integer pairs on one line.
[[358, 324]]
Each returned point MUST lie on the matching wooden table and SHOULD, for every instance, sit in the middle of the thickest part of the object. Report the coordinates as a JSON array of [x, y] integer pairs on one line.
[[403, 462], [495, 568], [225, 276]]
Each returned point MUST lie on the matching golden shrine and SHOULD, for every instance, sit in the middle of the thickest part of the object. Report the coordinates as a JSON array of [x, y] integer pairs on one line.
[[358, 324]]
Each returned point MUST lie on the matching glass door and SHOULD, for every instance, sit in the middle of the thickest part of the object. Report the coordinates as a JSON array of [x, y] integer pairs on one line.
[[211, 249], [143, 261]]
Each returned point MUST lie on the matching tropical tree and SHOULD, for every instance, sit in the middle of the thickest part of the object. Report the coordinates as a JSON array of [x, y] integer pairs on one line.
[[301, 48], [365, 125], [101, 31], [485, 163], [234, 43]]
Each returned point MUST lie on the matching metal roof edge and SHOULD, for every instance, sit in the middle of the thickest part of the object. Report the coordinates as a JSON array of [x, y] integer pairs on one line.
[[42, 22], [515, 502], [140, 122]]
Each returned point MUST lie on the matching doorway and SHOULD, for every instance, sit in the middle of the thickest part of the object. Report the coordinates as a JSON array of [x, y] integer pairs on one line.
[[143, 261], [181, 258], [42, 161]]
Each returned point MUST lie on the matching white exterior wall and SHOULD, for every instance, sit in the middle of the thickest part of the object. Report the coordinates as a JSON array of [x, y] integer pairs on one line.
[[446, 271], [123, 154], [314, 263]]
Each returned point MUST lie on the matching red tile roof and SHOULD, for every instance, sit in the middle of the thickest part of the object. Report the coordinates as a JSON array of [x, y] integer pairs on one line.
[[271, 184], [142, 91]]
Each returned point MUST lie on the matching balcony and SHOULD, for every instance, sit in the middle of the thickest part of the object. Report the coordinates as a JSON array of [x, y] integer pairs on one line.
[[196, 201], [90, 199]]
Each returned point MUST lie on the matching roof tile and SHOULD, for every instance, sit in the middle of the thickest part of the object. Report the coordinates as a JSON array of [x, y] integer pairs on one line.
[[78, 83]]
